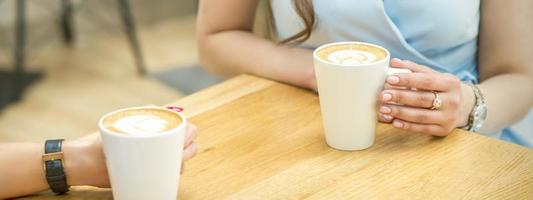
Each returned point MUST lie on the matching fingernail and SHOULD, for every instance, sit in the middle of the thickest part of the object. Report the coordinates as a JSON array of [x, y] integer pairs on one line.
[[396, 60], [386, 97], [393, 79], [387, 117], [397, 124], [384, 109]]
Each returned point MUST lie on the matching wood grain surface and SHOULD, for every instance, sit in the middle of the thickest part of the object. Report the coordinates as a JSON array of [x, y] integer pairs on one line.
[[260, 139]]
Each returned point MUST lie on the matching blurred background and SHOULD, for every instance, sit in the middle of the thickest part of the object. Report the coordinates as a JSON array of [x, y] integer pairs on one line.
[[71, 78], [65, 63]]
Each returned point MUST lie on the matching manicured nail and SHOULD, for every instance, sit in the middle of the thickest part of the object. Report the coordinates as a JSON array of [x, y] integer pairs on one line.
[[386, 97], [396, 60], [387, 117], [397, 124], [393, 79], [384, 109]]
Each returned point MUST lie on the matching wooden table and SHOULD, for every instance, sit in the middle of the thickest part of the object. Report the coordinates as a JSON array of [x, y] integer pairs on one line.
[[260, 139]]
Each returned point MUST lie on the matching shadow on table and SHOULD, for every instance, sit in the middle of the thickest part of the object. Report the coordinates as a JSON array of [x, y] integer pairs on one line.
[[83, 192]]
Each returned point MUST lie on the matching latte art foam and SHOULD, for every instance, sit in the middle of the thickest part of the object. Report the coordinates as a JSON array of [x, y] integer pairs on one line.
[[351, 57], [352, 54], [140, 124], [144, 121]]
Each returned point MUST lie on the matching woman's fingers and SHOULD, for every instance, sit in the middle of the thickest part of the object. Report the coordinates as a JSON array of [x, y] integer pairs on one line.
[[424, 81], [189, 148], [190, 151], [422, 78], [431, 129], [421, 99], [385, 118], [190, 134], [406, 64], [409, 107], [389, 86], [417, 115]]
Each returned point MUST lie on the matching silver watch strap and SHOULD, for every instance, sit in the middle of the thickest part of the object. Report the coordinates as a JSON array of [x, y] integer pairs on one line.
[[474, 119]]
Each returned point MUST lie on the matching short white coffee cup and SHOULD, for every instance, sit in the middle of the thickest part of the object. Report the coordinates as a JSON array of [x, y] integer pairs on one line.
[[144, 166], [348, 96]]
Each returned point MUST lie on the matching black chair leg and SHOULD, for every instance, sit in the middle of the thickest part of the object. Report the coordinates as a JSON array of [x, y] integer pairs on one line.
[[13, 83], [129, 26], [66, 21], [19, 50]]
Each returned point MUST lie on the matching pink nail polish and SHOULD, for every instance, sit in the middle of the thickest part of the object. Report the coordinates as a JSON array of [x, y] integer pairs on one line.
[[386, 97], [387, 117], [393, 79], [384, 110], [397, 124], [175, 108]]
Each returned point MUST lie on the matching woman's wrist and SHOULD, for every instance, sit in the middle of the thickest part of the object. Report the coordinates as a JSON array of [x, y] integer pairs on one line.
[[300, 71], [74, 155], [468, 102], [311, 79], [85, 162]]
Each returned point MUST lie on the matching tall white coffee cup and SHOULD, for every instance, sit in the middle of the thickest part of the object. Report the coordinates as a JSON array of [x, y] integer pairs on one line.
[[350, 76], [143, 162]]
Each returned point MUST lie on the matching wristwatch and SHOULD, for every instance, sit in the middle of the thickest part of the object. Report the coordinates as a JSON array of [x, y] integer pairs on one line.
[[53, 166], [479, 112]]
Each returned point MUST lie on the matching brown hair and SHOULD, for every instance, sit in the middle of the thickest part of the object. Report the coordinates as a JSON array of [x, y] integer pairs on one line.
[[304, 9]]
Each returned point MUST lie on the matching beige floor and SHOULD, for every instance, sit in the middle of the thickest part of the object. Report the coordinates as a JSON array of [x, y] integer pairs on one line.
[[93, 77], [97, 74]]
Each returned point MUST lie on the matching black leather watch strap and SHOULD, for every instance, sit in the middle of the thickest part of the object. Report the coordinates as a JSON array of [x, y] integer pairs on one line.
[[53, 164]]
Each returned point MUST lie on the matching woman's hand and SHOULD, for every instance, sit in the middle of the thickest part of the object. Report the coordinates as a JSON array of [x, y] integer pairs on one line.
[[407, 99], [85, 161]]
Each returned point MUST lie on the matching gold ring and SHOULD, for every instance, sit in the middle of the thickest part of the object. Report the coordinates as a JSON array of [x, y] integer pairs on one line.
[[437, 102]]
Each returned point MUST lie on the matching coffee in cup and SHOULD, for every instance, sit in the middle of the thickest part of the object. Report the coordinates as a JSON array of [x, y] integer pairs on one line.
[[349, 77], [143, 147], [142, 121], [352, 54]]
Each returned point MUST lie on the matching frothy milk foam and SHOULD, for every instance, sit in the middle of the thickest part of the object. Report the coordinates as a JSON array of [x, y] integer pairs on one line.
[[352, 54], [351, 57], [142, 121]]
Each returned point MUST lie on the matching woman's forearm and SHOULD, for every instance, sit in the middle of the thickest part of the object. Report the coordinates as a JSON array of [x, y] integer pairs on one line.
[[509, 98], [239, 51], [23, 172], [22, 169]]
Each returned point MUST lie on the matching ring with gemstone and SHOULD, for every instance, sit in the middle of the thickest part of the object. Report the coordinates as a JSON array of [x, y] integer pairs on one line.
[[437, 102]]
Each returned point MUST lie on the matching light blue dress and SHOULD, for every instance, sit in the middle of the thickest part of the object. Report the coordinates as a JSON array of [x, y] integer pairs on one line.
[[439, 34]]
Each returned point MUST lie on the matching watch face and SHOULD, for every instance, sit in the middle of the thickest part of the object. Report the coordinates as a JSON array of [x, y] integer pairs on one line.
[[482, 113], [479, 117]]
